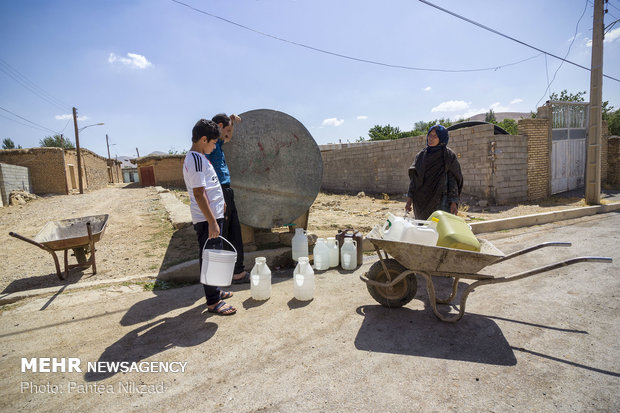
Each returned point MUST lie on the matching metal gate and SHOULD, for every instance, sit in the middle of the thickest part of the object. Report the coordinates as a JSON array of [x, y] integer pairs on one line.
[[568, 149]]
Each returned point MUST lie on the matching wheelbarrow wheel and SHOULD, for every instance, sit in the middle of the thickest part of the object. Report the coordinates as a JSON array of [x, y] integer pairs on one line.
[[397, 295]]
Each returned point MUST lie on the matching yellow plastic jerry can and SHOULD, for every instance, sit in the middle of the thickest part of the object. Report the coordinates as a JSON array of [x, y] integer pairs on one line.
[[454, 232]]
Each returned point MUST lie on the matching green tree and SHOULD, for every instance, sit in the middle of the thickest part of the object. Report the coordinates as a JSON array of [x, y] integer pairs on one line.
[[7, 143], [490, 117], [509, 125], [57, 141], [564, 96], [613, 123], [381, 133]]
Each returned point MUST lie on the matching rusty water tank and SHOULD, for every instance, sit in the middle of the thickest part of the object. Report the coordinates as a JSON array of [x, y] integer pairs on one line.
[[275, 168]]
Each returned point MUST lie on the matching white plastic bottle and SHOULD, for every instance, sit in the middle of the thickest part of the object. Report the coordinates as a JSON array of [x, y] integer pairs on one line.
[[334, 252], [348, 254], [299, 244], [260, 279], [321, 255], [303, 280]]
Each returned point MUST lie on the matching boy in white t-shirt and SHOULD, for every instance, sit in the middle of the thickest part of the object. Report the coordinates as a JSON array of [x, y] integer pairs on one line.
[[206, 203]]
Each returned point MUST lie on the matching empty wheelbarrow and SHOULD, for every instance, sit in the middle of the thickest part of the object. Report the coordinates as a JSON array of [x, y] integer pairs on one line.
[[77, 234], [392, 282]]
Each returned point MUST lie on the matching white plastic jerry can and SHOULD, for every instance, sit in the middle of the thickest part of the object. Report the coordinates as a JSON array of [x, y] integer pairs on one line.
[[260, 280], [303, 280], [348, 254], [422, 232], [321, 255], [395, 227]]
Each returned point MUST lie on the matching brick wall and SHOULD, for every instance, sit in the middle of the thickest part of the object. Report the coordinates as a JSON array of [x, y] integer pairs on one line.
[[538, 133], [604, 151], [376, 167], [13, 177], [613, 153], [46, 166], [168, 169]]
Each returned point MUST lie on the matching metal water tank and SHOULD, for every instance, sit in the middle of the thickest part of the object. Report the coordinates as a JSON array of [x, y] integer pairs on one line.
[[275, 168]]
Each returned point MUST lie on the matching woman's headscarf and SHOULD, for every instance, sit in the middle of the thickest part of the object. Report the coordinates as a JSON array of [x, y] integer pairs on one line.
[[442, 134]]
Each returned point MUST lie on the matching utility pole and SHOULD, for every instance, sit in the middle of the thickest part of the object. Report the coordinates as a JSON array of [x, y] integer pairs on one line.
[[137, 152], [77, 146], [108, 145], [593, 151]]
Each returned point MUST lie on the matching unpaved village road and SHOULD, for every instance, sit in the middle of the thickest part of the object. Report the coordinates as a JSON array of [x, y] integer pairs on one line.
[[544, 343]]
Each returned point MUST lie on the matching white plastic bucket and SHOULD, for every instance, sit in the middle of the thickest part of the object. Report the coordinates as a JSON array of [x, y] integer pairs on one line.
[[218, 266]]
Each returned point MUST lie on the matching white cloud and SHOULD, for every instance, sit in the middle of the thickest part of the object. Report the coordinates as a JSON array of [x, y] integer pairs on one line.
[[427, 89], [588, 42], [451, 106], [134, 60], [66, 117], [612, 35], [332, 122], [469, 114], [362, 117], [515, 101]]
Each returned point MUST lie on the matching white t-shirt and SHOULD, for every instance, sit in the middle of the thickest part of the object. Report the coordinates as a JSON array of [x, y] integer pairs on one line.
[[198, 172]]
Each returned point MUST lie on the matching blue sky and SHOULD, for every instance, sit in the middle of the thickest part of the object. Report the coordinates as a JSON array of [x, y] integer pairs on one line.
[[150, 69]]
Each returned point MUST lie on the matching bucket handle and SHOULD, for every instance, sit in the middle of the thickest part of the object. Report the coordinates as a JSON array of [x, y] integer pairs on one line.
[[205, 244]]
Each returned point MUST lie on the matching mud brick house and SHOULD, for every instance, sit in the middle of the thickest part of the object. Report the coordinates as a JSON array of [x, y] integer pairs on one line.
[[54, 170], [163, 170]]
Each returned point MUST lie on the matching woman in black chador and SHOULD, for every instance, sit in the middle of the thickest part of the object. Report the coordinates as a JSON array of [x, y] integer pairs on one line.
[[436, 179]]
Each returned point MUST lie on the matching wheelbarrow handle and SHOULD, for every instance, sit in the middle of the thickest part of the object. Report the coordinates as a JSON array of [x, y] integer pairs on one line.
[[28, 240], [534, 248]]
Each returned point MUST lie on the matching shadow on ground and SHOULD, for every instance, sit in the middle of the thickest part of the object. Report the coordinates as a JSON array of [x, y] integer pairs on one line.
[[418, 333], [187, 329]]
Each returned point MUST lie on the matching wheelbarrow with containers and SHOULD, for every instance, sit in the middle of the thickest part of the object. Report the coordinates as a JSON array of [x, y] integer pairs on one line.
[[391, 281]]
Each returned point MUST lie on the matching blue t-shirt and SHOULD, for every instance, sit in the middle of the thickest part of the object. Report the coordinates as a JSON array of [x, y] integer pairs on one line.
[[218, 160]]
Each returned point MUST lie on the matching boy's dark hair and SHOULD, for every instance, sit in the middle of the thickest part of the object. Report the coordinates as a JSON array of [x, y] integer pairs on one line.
[[221, 118], [206, 128]]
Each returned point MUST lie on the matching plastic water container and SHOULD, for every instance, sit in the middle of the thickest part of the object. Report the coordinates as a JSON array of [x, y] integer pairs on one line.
[[299, 244], [217, 266], [348, 254], [395, 227], [303, 280], [334, 252], [422, 232], [454, 232], [321, 255], [260, 279]]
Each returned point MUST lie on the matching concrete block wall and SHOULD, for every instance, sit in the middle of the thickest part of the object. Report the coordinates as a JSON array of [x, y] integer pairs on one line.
[[46, 166], [613, 157], [538, 132], [13, 177], [381, 166]]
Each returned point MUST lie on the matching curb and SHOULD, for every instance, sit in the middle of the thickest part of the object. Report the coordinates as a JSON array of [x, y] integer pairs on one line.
[[542, 218], [477, 228]]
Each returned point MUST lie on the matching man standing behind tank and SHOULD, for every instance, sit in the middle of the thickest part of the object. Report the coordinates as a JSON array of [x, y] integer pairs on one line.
[[232, 227], [436, 178]]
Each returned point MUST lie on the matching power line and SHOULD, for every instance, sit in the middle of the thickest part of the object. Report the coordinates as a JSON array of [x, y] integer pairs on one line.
[[22, 123], [567, 52], [27, 120], [506, 36], [346, 56], [30, 85]]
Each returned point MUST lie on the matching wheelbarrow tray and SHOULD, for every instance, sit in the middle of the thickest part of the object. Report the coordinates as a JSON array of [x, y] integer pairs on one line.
[[436, 259], [70, 233]]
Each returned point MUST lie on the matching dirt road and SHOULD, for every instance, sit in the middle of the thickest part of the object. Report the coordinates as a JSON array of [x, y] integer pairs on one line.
[[545, 343]]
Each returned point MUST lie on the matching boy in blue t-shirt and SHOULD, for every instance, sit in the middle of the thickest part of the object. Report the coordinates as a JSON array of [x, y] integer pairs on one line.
[[206, 204]]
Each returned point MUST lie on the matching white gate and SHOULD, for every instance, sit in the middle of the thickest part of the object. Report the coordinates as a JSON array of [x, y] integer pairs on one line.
[[568, 149]]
